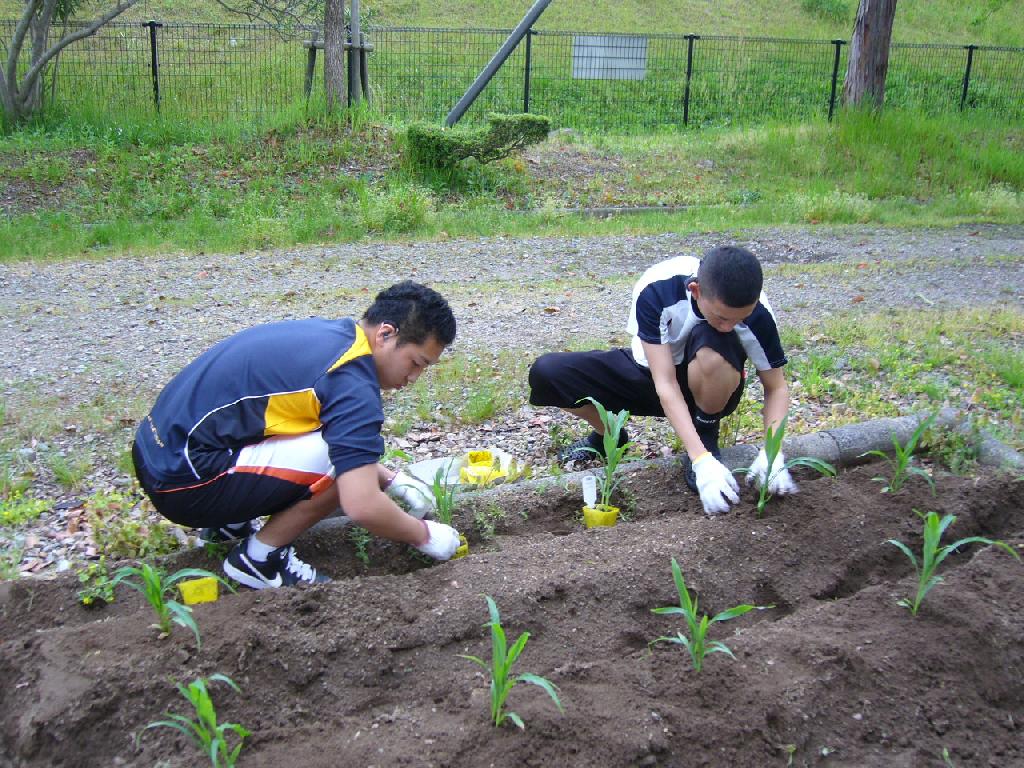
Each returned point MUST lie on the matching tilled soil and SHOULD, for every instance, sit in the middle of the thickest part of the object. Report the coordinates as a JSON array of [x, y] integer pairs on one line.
[[365, 671]]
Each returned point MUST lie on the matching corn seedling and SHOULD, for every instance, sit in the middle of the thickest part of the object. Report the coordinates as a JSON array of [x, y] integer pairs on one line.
[[932, 555], [209, 735], [613, 424], [772, 449], [444, 495], [500, 669], [154, 586], [696, 643], [903, 456]]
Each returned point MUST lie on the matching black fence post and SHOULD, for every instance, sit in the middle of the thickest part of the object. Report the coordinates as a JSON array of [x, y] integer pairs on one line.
[[689, 73], [835, 77], [967, 75], [311, 63], [526, 70], [364, 67], [154, 62]]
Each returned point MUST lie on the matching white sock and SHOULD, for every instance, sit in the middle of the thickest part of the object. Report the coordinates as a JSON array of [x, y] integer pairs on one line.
[[257, 550]]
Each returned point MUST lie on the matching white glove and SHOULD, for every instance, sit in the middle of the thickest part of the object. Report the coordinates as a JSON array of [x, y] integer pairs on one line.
[[442, 542], [414, 493], [780, 482], [716, 485]]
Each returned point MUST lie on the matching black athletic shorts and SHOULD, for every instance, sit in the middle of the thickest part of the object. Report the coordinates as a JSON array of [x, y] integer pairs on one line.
[[618, 382], [267, 478]]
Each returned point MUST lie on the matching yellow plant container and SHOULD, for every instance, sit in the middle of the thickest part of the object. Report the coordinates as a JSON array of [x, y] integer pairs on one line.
[[202, 590], [463, 549], [480, 469], [600, 516]]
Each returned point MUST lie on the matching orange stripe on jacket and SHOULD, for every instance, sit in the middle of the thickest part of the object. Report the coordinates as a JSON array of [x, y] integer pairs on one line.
[[315, 481]]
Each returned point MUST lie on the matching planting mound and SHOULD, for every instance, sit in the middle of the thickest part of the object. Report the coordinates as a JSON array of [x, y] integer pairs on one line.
[[365, 671]]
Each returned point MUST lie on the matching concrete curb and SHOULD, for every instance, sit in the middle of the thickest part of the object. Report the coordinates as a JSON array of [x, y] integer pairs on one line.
[[842, 447]]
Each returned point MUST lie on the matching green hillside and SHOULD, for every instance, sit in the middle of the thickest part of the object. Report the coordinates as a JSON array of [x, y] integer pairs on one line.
[[992, 22]]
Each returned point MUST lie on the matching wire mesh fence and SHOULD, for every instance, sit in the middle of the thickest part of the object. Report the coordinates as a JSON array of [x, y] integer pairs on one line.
[[582, 80]]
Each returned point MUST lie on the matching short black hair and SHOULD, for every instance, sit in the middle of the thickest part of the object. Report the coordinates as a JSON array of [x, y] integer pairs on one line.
[[732, 275], [416, 311]]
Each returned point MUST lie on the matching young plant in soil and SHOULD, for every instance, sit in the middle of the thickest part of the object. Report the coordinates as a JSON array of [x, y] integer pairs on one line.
[[444, 495], [97, 584], [203, 729], [613, 452], [932, 555], [361, 538], [772, 448], [500, 669], [154, 586], [903, 455], [697, 643]]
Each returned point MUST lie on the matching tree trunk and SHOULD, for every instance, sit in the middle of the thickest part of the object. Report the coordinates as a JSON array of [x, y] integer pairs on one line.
[[869, 53], [334, 54]]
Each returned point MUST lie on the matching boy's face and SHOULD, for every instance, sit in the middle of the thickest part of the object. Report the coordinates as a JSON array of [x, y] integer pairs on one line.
[[719, 315], [399, 365]]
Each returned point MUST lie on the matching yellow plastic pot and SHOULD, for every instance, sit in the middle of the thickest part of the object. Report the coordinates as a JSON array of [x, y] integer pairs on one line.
[[463, 548], [600, 516], [480, 469], [202, 590]]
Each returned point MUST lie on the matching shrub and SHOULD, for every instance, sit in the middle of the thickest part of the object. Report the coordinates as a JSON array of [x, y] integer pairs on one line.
[[435, 147], [118, 533]]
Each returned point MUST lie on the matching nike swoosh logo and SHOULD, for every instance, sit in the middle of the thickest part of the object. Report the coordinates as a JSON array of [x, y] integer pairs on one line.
[[274, 582]]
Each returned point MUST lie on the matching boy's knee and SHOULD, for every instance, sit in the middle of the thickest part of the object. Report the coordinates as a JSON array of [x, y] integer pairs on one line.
[[543, 373], [712, 380]]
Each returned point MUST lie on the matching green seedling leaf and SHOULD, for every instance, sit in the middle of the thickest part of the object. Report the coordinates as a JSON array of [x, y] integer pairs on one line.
[[612, 423], [695, 641], [772, 449], [503, 659], [900, 462], [202, 728], [932, 555]]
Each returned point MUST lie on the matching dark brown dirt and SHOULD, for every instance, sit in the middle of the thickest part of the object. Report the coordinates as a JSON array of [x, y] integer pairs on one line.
[[365, 671]]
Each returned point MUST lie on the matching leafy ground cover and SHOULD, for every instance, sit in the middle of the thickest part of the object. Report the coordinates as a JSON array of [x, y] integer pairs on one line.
[[101, 190], [366, 670]]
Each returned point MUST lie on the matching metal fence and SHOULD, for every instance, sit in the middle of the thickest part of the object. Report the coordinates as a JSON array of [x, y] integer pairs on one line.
[[582, 80]]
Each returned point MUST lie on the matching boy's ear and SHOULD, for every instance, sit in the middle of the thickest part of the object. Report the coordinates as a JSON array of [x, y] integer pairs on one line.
[[694, 288]]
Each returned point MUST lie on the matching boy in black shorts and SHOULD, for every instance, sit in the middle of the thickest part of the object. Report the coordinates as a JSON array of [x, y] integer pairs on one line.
[[694, 324]]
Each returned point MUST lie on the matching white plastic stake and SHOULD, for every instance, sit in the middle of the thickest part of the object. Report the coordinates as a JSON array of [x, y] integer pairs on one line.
[[590, 490]]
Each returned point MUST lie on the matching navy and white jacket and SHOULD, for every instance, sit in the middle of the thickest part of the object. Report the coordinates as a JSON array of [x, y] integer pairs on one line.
[[664, 312]]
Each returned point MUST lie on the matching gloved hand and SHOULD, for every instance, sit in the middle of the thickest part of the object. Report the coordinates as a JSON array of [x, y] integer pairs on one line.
[[780, 482], [715, 484], [442, 540], [414, 493]]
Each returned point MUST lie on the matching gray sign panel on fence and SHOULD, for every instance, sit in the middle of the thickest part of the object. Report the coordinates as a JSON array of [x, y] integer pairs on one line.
[[609, 57]]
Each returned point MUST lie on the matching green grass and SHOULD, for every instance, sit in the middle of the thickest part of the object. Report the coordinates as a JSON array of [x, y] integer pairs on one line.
[[152, 189], [992, 22]]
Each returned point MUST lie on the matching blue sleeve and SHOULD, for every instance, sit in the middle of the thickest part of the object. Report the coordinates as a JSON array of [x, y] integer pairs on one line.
[[352, 415]]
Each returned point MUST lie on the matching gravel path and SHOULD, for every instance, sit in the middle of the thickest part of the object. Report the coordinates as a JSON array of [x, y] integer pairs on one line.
[[106, 334]]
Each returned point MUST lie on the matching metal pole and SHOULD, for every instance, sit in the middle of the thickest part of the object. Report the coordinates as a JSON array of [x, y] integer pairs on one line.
[[967, 75], [364, 68], [355, 86], [689, 73], [311, 64], [526, 71], [835, 77], [154, 63], [495, 63]]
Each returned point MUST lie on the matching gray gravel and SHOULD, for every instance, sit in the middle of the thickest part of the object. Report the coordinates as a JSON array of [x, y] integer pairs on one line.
[[110, 332]]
